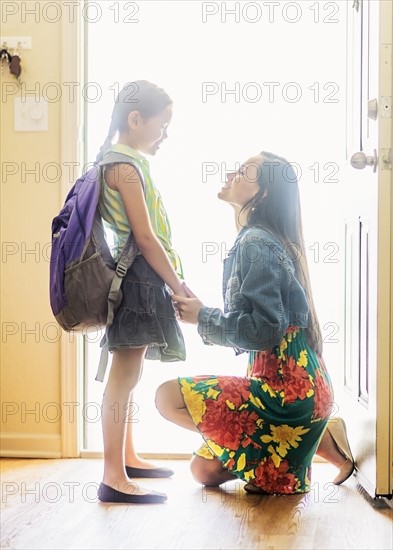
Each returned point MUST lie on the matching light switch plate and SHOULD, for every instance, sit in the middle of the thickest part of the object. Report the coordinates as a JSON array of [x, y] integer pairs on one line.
[[30, 114]]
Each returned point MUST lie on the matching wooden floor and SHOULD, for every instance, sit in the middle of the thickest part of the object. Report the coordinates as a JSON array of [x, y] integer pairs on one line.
[[53, 504]]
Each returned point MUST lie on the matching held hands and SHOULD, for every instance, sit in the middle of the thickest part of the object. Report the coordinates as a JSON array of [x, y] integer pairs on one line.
[[187, 307]]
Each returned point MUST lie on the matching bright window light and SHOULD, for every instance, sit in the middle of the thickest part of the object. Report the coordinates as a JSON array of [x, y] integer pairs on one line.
[[261, 77]]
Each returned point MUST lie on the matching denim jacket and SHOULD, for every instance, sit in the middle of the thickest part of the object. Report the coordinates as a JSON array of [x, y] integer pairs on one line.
[[262, 295]]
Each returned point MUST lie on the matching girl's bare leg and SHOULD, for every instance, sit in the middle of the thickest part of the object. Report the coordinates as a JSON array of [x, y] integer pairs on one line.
[[131, 456], [123, 377]]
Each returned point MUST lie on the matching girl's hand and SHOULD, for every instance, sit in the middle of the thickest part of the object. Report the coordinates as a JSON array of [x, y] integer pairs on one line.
[[188, 291], [188, 308]]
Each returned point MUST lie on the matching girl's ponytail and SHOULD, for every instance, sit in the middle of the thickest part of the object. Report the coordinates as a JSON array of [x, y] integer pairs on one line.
[[108, 141]]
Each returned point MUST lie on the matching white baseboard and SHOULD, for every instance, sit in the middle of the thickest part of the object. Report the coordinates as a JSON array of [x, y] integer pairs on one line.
[[156, 456], [27, 445]]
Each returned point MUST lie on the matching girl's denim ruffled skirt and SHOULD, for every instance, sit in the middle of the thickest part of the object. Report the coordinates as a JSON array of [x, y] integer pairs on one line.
[[146, 316]]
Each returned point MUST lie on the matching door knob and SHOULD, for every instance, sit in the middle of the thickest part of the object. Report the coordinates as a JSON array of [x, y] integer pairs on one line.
[[361, 160], [372, 109]]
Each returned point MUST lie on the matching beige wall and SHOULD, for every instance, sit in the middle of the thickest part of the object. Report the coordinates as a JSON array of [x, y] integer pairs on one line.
[[30, 361]]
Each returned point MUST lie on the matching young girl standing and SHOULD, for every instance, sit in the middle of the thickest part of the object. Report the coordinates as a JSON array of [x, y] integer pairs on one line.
[[145, 324]]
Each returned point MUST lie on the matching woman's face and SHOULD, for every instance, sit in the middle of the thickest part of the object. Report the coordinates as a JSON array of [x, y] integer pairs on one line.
[[242, 185]]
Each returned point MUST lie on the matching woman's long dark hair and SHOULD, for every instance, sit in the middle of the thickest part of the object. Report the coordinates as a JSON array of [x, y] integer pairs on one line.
[[142, 96], [276, 207]]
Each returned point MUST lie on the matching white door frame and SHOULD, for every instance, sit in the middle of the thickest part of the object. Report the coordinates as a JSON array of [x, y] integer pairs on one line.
[[72, 71], [71, 356], [384, 434]]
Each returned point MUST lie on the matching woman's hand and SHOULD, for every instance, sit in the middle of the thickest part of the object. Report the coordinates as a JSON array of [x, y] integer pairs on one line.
[[187, 308]]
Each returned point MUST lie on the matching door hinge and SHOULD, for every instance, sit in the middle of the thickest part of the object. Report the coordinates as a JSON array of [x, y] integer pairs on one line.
[[386, 157]]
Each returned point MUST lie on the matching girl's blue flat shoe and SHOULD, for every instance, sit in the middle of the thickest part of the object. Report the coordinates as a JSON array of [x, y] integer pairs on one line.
[[108, 494], [148, 472]]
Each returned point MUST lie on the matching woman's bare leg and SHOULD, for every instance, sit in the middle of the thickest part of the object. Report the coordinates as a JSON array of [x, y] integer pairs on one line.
[[170, 403], [209, 472], [328, 450]]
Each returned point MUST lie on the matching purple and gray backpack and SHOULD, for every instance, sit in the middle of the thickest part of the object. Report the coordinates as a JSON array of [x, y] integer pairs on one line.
[[85, 281]]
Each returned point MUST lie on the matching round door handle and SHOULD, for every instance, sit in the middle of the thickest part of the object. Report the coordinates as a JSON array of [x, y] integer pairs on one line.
[[361, 160]]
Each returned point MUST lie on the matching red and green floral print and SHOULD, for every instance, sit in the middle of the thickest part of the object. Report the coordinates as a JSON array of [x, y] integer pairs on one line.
[[265, 427]]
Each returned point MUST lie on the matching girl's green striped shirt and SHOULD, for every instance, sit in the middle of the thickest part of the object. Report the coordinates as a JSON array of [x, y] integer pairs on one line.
[[113, 213]]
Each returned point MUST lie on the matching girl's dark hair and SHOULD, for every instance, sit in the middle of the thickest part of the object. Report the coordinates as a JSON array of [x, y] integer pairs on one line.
[[276, 207], [142, 96]]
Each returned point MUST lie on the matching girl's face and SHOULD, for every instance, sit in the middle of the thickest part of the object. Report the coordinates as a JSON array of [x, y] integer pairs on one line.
[[152, 131], [242, 185]]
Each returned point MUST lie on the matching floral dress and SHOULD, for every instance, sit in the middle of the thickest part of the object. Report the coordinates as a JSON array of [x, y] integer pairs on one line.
[[265, 427]]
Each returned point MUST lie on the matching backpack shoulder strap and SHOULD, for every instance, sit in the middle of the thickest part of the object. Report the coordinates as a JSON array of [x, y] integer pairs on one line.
[[130, 249], [119, 158], [115, 158], [127, 257]]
